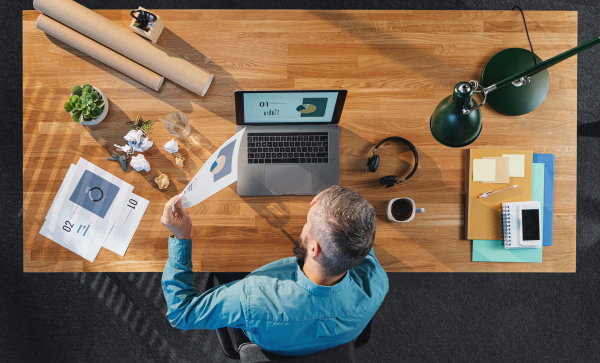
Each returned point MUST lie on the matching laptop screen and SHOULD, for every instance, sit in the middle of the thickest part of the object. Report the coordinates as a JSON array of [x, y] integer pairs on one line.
[[289, 107]]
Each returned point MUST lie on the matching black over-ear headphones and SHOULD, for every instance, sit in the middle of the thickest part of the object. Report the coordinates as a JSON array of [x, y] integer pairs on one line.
[[390, 180]]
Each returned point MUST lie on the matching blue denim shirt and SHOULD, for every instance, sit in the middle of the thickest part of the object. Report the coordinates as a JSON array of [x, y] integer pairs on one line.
[[280, 309]]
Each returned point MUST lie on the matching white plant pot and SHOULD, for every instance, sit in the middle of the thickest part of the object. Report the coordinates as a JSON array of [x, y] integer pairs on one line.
[[98, 119]]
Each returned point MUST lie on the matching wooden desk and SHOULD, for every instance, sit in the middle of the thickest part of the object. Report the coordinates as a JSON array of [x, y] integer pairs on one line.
[[396, 65]]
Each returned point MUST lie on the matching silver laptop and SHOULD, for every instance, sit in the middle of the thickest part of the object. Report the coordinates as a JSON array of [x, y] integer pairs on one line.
[[291, 145]]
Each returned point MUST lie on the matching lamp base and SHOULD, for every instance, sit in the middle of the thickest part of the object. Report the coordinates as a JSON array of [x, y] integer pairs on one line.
[[514, 100]]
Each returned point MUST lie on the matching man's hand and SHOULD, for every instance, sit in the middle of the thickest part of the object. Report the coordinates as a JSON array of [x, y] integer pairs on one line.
[[179, 223]]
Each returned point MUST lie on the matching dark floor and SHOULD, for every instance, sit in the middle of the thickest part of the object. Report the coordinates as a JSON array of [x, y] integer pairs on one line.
[[425, 317]]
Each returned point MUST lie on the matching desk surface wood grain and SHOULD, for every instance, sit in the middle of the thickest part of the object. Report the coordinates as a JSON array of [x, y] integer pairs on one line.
[[396, 65]]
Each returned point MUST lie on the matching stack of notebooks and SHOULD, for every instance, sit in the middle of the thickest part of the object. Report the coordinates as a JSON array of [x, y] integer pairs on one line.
[[491, 170]]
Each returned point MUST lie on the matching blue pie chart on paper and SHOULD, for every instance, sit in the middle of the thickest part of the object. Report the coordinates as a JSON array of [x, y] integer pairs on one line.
[[222, 165], [218, 164]]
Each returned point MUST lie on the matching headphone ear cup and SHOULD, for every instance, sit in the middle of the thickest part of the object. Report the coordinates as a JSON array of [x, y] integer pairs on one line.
[[389, 180], [373, 163]]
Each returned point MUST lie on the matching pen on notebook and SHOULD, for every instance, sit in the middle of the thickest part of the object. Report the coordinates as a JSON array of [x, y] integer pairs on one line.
[[491, 192]]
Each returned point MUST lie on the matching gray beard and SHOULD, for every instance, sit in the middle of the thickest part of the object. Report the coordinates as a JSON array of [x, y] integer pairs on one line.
[[300, 250]]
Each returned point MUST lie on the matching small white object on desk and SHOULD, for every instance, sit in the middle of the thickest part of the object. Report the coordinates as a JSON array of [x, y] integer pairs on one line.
[[172, 146], [136, 139], [139, 163]]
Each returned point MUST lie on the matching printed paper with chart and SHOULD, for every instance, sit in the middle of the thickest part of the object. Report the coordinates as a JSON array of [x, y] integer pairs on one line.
[[218, 172], [86, 208]]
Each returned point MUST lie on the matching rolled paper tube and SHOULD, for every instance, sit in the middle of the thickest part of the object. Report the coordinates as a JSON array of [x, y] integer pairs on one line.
[[124, 41], [99, 52]]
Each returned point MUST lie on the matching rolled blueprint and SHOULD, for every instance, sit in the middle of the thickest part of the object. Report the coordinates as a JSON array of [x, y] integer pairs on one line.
[[99, 52], [124, 41]]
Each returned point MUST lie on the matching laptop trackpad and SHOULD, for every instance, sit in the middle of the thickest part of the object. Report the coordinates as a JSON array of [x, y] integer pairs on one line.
[[289, 179]]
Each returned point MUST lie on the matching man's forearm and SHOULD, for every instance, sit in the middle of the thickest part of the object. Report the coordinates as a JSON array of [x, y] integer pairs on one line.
[[178, 279]]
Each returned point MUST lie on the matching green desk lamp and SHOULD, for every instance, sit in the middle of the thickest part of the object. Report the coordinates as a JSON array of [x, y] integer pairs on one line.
[[456, 121]]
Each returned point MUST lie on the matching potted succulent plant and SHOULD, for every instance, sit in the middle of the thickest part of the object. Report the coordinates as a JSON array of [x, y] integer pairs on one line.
[[87, 105]]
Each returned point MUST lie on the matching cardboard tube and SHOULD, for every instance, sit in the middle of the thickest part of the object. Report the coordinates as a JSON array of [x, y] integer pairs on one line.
[[99, 52], [125, 42]]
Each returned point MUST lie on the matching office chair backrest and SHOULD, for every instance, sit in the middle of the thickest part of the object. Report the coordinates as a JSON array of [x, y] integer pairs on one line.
[[252, 353]]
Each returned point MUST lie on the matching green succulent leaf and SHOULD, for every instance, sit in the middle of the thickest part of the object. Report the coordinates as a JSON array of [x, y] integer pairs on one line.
[[76, 90], [86, 85], [76, 116], [96, 112], [86, 112], [73, 99], [94, 96], [91, 105], [68, 107], [99, 103]]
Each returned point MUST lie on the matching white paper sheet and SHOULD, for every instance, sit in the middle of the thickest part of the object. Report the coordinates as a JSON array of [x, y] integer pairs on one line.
[[218, 172], [85, 209], [124, 228]]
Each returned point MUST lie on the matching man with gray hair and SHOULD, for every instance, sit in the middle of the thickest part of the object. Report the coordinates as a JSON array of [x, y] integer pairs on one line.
[[322, 298]]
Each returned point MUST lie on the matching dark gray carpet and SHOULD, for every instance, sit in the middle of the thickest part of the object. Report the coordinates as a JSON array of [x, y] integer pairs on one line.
[[425, 318]]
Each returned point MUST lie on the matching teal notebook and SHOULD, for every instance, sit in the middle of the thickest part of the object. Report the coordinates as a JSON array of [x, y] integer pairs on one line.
[[548, 160], [494, 251]]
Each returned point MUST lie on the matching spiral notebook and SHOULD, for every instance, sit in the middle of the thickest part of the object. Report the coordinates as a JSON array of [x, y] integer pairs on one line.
[[522, 225]]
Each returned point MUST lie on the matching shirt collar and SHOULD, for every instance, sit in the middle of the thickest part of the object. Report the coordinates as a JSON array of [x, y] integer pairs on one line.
[[318, 290]]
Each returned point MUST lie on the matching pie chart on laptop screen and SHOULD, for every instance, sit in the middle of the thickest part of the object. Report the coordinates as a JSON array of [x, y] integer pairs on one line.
[[306, 108]]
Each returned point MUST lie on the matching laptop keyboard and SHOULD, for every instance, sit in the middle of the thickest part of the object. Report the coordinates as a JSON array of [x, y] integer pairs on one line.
[[288, 147]]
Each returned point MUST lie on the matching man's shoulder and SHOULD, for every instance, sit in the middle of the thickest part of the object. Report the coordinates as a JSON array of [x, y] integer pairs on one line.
[[370, 265], [282, 270], [283, 264], [370, 272]]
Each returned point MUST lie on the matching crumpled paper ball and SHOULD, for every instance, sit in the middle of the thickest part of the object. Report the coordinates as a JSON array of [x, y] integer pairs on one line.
[[162, 181], [134, 136], [172, 146], [179, 159], [139, 163], [137, 142]]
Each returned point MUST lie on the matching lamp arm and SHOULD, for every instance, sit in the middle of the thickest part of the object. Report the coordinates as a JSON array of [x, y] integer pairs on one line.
[[523, 76], [548, 63], [477, 88]]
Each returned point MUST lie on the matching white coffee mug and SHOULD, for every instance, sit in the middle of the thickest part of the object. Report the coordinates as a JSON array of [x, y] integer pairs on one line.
[[413, 210]]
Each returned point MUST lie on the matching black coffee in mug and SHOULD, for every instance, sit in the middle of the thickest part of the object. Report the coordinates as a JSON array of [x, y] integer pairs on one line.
[[402, 209]]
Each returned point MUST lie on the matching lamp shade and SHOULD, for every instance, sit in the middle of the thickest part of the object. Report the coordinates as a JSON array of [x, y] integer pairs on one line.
[[449, 125]]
